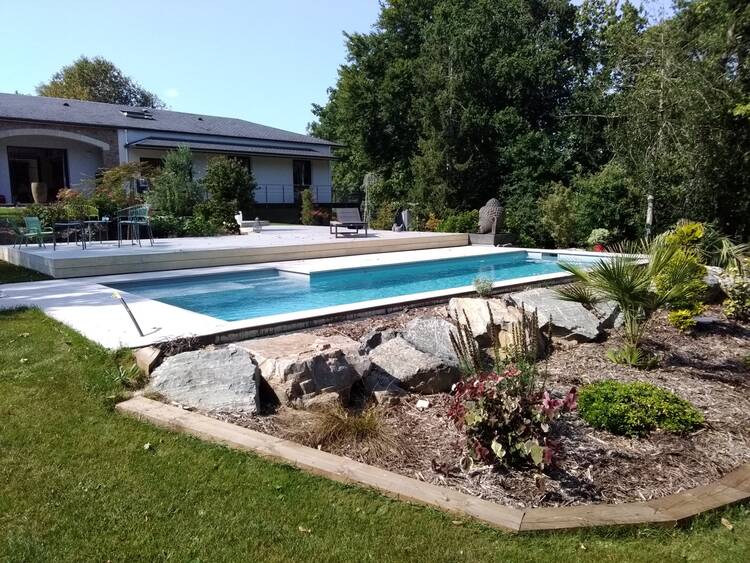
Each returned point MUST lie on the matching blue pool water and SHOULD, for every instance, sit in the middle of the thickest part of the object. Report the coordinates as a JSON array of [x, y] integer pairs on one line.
[[246, 295]]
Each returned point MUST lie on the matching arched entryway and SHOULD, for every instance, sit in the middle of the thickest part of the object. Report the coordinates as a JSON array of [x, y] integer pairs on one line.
[[59, 159]]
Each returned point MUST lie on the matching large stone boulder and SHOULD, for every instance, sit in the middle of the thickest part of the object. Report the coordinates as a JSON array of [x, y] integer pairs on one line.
[[476, 312], [717, 282], [431, 335], [302, 364], [570, 321], [213, 379], [375, 338], [413, 370]]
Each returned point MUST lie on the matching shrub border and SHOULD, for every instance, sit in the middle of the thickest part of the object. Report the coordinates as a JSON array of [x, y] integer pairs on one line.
[[666, 511]]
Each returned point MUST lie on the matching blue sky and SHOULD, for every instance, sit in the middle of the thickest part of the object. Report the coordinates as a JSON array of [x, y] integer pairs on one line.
[[258, 60], [265, 61]]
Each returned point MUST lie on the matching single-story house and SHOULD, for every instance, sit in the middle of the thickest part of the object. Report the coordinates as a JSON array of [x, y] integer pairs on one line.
[[64, 143]]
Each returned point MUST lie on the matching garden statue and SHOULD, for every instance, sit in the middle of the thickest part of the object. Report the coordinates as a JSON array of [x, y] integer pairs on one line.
[[491, 217]]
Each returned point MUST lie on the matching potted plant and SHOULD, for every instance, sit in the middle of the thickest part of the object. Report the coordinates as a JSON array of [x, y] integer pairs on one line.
[[598, 239]]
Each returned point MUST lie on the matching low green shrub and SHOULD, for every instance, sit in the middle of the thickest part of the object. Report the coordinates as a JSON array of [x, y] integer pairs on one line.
[[687, 234], [200, 226], [635, 409], [682, 319], [461, 222], [219, 213], [383, 219], [167, 226], [599, 236], [48, 214], [483, 286], [737, 304]]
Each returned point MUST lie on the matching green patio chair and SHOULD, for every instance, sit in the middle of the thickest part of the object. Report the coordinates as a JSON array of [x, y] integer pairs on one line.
[[36, 232], [134, 218], [18, 232]]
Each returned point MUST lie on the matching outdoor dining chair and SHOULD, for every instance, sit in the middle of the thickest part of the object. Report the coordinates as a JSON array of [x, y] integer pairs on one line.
[[34, 231], [134, 218]]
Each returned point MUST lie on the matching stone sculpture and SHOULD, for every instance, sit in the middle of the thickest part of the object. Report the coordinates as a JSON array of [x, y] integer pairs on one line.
[[491, 217]]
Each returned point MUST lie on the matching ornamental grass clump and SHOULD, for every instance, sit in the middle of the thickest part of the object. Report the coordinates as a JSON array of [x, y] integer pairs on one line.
[[336, 428], [635, 409], [507, 416]]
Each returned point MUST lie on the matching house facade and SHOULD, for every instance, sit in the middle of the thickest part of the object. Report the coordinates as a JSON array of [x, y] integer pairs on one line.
[[65, 143]]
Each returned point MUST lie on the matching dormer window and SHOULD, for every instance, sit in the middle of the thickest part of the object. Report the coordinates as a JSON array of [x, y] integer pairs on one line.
[[137, 113]]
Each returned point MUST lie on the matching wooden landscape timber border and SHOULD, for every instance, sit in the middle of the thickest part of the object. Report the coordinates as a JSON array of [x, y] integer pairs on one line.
[[666, 511]]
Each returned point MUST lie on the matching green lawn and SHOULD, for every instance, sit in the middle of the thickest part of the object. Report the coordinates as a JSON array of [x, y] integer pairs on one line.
[[76, 483], [13, 274], [11, 211]]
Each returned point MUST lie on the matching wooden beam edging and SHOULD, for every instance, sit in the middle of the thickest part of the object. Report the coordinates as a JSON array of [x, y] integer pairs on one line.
[[666, 511]]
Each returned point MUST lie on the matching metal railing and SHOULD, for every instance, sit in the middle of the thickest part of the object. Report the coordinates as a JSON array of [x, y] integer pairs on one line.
[[291, 193]]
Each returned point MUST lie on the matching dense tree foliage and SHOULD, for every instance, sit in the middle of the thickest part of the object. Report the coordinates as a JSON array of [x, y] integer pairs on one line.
[[97, 80], [451, 102]]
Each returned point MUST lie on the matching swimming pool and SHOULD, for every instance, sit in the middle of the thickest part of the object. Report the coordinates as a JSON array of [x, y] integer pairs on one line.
[[259, 293]]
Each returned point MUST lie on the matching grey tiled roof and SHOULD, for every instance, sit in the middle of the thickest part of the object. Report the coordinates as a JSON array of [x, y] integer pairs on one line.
[[195, 146], [59, 110]]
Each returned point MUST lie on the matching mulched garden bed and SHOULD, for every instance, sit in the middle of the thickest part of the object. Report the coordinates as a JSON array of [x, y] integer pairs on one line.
[[710, 368]]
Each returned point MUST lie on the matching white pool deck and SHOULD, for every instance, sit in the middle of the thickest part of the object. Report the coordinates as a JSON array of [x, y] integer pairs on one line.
[[275, 243], [88, 305]]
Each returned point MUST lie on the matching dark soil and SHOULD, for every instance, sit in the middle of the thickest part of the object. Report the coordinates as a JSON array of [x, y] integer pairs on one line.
[[710, 368]]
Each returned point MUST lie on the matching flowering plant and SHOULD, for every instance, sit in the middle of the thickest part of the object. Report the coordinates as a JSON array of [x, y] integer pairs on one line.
[[507, 416]]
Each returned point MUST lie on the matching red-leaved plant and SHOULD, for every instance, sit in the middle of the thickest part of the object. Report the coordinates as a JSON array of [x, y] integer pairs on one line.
[[506, 416]]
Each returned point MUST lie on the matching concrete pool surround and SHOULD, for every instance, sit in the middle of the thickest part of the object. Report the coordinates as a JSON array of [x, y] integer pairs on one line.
[[87, 305]]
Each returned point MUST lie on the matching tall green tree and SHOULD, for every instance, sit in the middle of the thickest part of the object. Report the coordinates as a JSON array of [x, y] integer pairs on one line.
[[97, 80], [451, 102], [677, 131]]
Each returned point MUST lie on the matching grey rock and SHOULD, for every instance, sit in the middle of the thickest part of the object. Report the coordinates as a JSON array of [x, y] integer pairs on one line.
[[570, 321], [706, 320], [321, 401], [375, 338], [717, 283], [414, 370], [299, 364], [431, 335], [212, 379], [383, 388], [476, 312]]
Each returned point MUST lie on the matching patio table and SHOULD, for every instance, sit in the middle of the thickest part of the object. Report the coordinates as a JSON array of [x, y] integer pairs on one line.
[[101, 225], [76, 226]]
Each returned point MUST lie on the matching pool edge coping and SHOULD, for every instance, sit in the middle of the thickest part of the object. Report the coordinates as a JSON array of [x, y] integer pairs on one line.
[[204, 329], [669, 510]]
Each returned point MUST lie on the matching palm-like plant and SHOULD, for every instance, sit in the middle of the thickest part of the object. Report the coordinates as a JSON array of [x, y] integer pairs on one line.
[[629, 279]]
